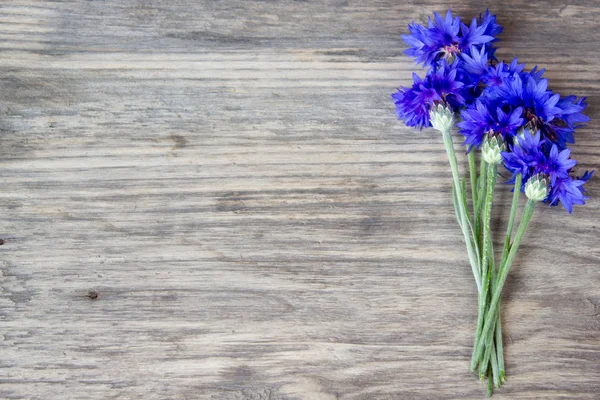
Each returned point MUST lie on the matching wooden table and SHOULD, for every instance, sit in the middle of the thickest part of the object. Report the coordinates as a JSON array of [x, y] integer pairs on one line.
[[214, 200]]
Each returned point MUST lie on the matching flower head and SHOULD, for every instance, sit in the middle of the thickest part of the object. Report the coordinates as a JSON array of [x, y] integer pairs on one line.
[[446, 38], [439, 86], [428, 44], [525, 154], [486, 117], [543, 109], [530, 156], [569, 191], [557, 164]]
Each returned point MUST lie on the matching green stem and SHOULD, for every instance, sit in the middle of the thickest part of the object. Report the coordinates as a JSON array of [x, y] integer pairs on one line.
[[489, 349], [480, 320], [490, 388], [513, 213], [500, 346], [487, 233], [490, 319], [490, 355], [486, 266], [481, 178], [495, 369], [474, 260], [455, 202], [480, 184], [477, 208], [511, 221], [498, 330], [473, 176], [485, 360]]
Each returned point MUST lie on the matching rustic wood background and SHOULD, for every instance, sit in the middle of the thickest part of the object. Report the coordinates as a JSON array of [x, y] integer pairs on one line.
[[214, 200]]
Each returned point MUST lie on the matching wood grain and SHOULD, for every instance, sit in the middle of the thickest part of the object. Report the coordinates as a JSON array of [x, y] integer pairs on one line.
[[214, 200]]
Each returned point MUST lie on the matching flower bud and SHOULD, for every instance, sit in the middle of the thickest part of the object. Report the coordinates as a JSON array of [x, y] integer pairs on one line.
[[441, 117], [536, 188], [492, 149]]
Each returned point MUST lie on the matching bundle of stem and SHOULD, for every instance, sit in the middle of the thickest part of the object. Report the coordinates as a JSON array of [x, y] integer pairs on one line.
[[489, 276]]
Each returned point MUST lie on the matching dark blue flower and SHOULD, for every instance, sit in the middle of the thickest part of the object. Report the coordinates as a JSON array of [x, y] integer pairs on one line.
[[446, 38], [530, 156], [478, 65], [486, 117], [544, 110], [538, 103], [427, 44], [557, 164], [439, 86], [524, 156], [569, 192]]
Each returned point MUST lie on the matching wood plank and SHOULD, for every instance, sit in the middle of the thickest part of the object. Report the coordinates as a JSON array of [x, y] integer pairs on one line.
[[214, 200]]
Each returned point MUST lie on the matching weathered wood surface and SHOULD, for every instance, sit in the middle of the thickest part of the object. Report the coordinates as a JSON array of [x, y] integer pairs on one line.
[[229, 178]]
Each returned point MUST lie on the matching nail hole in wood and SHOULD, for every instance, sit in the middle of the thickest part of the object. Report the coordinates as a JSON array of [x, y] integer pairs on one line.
[[92, 294]]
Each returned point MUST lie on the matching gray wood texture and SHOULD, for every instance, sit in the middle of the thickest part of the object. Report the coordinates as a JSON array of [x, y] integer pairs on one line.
[[214, 200]]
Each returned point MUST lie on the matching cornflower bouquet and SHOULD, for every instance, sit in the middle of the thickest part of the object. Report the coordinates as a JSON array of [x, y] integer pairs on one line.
[[507, 116]]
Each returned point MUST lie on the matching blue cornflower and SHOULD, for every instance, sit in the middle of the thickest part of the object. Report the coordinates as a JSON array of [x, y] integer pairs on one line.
[[533, 96], [557, 164], [530, 157], [477, 64], [569, 192], [446, 38], [543, 109], [525, 154], [439, 86], [486, 117], [426, 44]]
